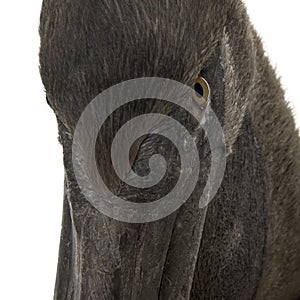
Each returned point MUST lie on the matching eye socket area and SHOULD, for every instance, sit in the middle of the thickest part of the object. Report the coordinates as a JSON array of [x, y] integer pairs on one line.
[[201, 92]]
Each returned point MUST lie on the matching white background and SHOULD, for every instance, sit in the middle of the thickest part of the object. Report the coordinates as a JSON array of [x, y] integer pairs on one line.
[[31, 157]]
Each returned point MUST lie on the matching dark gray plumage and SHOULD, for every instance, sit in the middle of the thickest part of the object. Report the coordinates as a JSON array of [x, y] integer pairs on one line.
[[247, 244]]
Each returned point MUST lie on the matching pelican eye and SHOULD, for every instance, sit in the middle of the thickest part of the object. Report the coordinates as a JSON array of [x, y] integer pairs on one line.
[[201, 91]]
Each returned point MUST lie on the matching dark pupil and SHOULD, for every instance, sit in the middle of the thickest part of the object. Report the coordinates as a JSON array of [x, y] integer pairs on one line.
[[199, 89]]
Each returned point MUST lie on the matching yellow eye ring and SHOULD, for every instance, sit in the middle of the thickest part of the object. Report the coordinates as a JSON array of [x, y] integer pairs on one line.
[[201, 92]]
